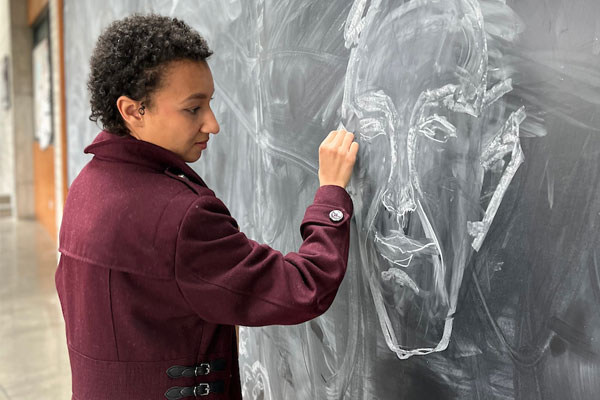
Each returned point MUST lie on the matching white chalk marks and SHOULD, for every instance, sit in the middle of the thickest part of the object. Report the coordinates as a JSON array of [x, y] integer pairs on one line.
[[255, 382], [505, 142], [421, 89]]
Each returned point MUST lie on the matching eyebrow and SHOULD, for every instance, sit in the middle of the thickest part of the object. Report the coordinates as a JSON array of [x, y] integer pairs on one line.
[[196, 96]]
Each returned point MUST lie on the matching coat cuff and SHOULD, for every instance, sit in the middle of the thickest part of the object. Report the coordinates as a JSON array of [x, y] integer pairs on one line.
[[335, 196]]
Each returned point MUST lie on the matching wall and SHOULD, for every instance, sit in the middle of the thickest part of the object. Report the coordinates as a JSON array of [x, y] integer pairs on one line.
[[13, 13], [44, 132], [6, 137], [34, 8], [473, 271], [58, 107], [22, 117]]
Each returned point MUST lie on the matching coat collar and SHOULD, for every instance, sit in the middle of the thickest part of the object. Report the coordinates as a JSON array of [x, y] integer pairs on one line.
[[110, 147]]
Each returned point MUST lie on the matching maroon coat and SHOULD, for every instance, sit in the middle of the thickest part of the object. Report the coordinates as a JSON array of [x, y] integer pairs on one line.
[[154, 273]]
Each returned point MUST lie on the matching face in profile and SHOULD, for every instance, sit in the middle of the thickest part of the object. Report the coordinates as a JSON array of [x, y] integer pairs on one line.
[[179, 117]]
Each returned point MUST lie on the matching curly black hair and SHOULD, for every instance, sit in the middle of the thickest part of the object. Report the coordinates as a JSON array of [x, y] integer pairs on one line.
[[130, 59]]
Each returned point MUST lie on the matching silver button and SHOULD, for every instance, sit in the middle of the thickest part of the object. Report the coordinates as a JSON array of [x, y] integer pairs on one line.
[[336, 215]]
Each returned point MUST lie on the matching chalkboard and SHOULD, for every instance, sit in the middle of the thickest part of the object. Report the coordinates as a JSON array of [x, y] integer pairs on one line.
[[474, 270]]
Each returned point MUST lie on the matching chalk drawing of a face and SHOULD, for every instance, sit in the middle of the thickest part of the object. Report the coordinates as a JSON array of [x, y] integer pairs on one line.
[[243, 341], [443, 128], [255, 382]]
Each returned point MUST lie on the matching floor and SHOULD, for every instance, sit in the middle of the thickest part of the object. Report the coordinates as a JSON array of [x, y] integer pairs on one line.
[[33, 354]]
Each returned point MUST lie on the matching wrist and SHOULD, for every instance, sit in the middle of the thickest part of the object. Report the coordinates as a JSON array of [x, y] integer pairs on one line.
[[340, 184]]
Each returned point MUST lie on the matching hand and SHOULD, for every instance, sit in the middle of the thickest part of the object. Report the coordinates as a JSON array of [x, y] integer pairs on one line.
[[337, 155]]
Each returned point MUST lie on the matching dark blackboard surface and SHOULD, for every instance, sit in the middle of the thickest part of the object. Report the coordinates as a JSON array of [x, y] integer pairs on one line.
[[474, 270]]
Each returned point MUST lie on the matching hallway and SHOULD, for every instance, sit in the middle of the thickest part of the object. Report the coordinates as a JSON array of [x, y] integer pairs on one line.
[[33, 353]]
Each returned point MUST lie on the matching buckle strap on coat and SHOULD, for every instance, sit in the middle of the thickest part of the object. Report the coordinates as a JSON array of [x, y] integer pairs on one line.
[[201, 389], [179, 371]]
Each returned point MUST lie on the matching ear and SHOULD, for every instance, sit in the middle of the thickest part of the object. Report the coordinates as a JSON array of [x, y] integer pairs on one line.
[[129, 110]]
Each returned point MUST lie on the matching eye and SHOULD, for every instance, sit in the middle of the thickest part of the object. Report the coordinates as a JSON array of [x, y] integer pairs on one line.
[[193, 110]]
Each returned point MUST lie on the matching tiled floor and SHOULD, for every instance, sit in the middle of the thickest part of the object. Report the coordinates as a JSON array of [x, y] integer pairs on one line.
[[33, 354]]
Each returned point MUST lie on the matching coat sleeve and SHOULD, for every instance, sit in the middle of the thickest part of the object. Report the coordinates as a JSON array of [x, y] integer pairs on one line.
[[229, 279]]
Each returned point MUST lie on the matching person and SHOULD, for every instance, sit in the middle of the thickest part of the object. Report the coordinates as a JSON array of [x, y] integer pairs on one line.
[[154, 273]]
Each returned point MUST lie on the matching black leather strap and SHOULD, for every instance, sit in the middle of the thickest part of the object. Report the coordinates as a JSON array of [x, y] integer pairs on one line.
[[200, 390], [180, 371]]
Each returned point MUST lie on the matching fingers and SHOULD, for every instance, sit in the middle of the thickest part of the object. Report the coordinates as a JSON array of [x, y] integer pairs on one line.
[[330, 137], [353, 150], [337, 155], [347, 140], [339, 138]]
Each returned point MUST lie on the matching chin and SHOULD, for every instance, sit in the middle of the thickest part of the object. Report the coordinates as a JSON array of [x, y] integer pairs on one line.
[[191, 158]]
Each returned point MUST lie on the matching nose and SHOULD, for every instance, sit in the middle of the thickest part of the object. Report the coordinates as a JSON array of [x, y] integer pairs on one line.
[[210, 124]]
